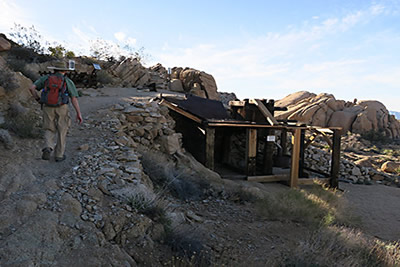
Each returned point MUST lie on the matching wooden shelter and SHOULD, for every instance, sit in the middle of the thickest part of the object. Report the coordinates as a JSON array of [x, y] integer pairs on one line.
[[208, 129]]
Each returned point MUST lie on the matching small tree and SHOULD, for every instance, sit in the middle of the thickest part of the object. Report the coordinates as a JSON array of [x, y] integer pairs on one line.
[[57, 51], [28, 38], [69, 54]]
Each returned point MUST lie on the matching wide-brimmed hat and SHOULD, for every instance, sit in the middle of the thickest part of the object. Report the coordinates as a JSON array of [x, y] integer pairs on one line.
[[58, 65]]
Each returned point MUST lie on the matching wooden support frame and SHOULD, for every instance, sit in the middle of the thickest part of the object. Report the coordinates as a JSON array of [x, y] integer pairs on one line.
[[210, 147], [294, 169], [335, 161], [251, 151]]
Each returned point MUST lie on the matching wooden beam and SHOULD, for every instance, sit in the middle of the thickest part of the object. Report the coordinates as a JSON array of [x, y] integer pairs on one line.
[[210, 146], [270, 118], [310, 181], [251, 151], [310, 140], [284, 141], [294, 169], [180, 111], [237, 103], [268, 178], [325, 136], [335, 162], [268, 153]]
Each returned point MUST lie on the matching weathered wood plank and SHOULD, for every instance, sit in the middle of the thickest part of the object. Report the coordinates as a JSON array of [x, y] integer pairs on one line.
[[270, 118], [210, 146], [268, 178], [180, 111], [251, 151], [294, 170], [335, 162]]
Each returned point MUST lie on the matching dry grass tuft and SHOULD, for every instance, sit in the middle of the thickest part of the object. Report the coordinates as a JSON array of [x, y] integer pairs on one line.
[[340, 246]]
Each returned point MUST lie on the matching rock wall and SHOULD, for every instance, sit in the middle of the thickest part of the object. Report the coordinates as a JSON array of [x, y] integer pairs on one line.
[[324, 110], [362, 171]]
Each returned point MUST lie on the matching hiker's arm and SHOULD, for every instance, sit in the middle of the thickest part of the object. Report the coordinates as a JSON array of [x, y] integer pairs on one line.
[[75, 104], [34, 92]]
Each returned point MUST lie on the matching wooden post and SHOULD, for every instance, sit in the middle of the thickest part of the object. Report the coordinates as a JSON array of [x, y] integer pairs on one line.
[[294, 170], [251, 151], [268, 153], [302, 149], [226, 146], [284, 141], [210, 145], [335, 161]]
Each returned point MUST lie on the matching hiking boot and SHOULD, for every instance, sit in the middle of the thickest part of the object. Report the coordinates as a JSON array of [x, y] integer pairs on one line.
[[61, 159], [46, 153]]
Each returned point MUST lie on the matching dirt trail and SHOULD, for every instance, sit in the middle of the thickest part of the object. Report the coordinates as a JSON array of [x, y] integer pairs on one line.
[[378, 207]]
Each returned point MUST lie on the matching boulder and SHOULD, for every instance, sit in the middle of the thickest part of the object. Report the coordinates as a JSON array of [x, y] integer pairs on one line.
[[324, 110], [176, 85], [190, 77], [390, 167], [294, 98], [342, 119], [4, 44]]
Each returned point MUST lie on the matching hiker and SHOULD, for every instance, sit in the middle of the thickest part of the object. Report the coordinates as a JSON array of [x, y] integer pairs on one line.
[[57, 89]]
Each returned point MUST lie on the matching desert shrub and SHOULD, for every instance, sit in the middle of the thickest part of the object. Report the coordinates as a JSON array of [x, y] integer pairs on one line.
[[22, 53], [25, 124], [375, 136], [188, 248], [7, 80], [103, 77], [341, 247], [151, 207], [318, 206]]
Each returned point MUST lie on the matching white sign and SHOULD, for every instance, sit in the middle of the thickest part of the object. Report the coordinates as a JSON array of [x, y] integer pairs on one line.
[[271, 138]]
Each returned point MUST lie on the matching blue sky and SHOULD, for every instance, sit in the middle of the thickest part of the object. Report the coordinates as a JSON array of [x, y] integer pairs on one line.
[[262, 49]]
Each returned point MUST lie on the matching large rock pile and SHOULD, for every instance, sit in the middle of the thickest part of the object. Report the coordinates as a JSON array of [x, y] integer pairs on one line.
[[194, 82], [324, 110]]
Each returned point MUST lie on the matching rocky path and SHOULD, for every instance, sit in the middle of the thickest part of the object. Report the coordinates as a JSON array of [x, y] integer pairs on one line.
[[41, 217]]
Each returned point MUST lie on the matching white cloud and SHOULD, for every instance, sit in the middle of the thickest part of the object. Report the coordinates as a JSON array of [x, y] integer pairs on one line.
[[303, 58], [131, 41], [11, 13], [120, 36]]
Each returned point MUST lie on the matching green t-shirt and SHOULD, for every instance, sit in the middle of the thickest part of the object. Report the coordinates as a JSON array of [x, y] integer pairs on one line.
[[70, 84]]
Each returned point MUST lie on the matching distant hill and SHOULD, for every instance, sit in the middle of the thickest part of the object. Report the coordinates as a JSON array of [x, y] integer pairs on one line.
[[396, 114]]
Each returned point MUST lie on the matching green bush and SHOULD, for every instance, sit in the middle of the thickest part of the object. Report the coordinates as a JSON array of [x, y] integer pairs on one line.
[[7, 80], [103, 77], [375, 136]]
